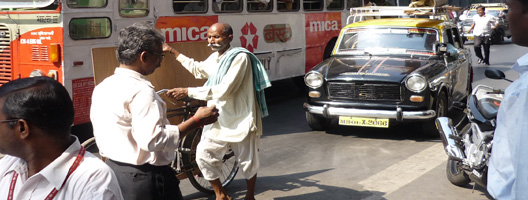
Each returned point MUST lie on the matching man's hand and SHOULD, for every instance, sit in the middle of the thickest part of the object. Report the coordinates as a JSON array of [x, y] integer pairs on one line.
[[206, 115], [167, 48], [177, 93]]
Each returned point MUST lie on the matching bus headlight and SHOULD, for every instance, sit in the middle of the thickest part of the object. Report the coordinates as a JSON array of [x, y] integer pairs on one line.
[[416, 83], [313, 79], [36, 73]]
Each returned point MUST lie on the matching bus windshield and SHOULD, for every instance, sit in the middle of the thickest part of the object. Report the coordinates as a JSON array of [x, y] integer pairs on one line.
[[386, 40], [25, 3]]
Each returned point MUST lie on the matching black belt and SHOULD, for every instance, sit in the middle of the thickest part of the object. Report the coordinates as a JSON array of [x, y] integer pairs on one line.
[[143, 167]]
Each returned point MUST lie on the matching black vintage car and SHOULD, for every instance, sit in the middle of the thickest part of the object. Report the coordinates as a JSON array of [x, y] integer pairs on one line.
[[384, 72]]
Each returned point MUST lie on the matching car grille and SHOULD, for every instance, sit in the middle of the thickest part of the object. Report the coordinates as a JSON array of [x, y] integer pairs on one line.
[[358, 91]]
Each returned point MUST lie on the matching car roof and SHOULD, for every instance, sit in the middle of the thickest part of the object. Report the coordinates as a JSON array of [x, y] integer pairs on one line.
[[490, 6], [399, 22]]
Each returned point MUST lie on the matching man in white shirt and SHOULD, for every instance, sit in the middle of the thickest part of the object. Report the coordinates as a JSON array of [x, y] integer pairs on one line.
[[482, 27], [44, 161], [508, 165], [236, 82], [130, 122]]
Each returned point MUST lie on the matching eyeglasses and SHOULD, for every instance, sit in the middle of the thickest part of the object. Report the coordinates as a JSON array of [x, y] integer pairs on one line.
[[8, 120], [158, 54]]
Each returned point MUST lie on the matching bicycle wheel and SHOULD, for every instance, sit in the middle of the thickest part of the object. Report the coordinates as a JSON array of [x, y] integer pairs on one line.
[[229, 167], [91, 147]]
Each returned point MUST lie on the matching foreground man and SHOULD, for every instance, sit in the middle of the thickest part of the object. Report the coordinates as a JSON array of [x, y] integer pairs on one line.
[[236, 82], [44, 161], [508, 165]]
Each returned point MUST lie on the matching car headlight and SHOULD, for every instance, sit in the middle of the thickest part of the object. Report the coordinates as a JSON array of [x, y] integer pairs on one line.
[[313, 79], [416, 83]]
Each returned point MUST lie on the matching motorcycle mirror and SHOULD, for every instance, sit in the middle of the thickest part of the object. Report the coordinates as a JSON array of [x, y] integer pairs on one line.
[[496, 74]]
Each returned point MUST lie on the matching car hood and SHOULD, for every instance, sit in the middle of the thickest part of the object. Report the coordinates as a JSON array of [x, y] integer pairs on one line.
[[383, 69]]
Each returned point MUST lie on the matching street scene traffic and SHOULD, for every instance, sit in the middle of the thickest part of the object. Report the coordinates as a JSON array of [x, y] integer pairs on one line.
[[263, 99], [352, 162]]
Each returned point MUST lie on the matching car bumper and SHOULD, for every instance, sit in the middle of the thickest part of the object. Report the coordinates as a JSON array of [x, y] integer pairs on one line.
[[468, 36], [397, 114]]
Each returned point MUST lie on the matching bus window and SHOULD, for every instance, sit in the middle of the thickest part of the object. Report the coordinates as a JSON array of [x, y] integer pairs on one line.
[[335, 4], [194, 6], [90, 28], [259, 5], [227, 5], [87, 3], [23, 5], [133, 8], [353, 4], [313, 4], [287, 5]]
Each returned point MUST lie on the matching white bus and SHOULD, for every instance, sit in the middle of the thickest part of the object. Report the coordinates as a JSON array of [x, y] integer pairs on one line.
[[74, 41]]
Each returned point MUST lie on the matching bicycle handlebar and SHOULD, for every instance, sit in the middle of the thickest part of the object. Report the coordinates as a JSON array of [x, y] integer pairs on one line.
[[162, 91]]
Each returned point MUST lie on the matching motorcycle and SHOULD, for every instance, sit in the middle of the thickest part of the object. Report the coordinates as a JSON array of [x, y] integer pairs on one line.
[[469, 148]]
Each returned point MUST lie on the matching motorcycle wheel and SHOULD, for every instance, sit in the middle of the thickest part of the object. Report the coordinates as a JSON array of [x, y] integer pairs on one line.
[[455, 174]]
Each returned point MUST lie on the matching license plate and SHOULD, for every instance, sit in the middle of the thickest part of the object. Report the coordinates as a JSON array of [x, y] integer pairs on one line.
[[470, 37], [363, 121]]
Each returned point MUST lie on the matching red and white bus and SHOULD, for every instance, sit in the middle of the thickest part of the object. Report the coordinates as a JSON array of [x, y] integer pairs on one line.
[[74, 41]]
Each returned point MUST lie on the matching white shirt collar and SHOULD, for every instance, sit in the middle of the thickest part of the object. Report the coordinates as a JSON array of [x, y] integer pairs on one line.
[[133, 74], [218, 58], [57, 170], [521, 65]]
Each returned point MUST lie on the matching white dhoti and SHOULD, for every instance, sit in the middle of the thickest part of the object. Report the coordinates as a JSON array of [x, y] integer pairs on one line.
[[209, 155]]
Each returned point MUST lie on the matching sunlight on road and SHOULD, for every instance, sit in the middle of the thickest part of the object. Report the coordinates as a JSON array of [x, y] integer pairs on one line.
[[406, 171]]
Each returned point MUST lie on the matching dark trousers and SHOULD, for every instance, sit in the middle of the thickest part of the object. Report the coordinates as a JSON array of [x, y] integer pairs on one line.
[[146, 182], [485, 42]]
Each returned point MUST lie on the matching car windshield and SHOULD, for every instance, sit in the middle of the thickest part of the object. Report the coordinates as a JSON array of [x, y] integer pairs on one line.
[[387, 40], [467, 22]]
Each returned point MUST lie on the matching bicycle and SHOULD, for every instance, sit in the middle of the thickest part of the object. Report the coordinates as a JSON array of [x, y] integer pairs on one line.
[[185, 163]]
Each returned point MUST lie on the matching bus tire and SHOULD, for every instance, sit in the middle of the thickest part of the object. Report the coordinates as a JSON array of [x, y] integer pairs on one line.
[[329, 48]]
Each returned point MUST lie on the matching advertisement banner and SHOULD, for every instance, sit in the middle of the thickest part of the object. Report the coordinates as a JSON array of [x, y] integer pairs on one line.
[[185, 29], [320, 28]]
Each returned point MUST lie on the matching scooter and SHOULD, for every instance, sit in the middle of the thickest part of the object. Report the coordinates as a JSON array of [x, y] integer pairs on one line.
[[469, 148]]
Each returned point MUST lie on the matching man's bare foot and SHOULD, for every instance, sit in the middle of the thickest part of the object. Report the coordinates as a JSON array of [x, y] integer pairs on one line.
[[249, 198], [223, 197]]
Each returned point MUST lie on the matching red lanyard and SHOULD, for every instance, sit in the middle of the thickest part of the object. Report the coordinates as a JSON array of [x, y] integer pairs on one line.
[[53, 192]]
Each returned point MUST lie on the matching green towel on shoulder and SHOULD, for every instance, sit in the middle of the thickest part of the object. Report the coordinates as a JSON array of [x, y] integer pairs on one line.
[[260, 77]]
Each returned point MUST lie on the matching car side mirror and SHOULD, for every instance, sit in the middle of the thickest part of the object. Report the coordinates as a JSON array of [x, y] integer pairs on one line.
[[439, 48]]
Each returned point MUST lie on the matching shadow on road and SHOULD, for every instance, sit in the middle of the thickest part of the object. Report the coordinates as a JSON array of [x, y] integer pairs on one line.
[[291, 182]]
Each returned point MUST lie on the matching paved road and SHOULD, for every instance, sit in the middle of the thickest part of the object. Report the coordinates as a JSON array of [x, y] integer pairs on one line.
[[353, 163]]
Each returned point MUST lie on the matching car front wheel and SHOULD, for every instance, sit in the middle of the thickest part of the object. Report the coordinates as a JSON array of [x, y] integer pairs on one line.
[[429, 127]]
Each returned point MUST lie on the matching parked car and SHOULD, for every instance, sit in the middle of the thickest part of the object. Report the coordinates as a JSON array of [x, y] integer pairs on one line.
[[498, 10], [385, 72]]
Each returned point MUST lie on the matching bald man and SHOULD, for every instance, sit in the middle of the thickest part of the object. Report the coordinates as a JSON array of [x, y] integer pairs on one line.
[[235, 85]]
